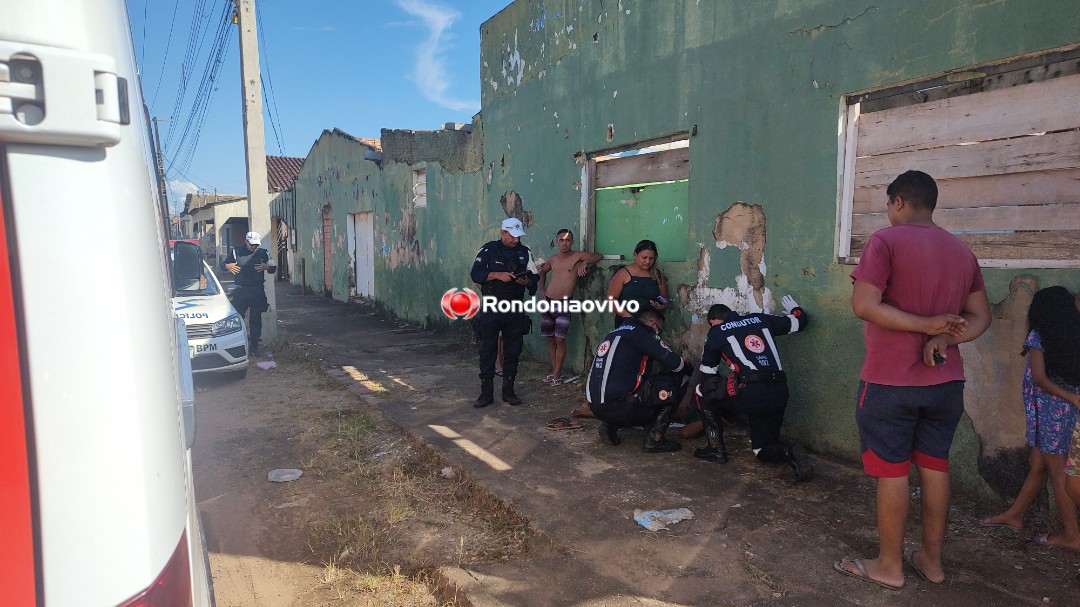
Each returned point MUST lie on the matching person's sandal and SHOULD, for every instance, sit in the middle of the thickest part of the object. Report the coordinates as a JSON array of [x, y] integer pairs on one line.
[[583, 411], [563, 423]]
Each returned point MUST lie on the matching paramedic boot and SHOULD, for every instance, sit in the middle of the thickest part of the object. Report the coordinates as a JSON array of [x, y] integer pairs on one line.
[[715, 451], [801, 463], [655, 441], [508, 394], [487, 393], [609, 434]]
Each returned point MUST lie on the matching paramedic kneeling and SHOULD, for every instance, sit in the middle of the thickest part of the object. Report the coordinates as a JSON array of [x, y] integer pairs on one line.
[[623, 392], [757, 386]]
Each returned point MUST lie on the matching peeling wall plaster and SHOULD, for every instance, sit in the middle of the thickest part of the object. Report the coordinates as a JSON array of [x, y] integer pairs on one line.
[[407, 251], [514, 207], [743, 226]]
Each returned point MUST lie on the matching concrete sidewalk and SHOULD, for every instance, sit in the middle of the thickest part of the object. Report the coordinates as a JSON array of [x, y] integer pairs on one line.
[[756, 537]]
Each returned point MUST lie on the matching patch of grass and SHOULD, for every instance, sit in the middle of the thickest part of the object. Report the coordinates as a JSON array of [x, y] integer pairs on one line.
[[394, 515]]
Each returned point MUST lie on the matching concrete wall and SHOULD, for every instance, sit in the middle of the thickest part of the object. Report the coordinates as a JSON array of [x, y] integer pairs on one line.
[[760, 83]]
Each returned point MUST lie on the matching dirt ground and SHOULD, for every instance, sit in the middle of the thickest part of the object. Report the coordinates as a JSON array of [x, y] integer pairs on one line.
[[373, 411], [373, 513]]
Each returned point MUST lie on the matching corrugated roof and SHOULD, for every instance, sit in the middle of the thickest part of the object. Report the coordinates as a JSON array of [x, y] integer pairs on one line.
[[281, 172]]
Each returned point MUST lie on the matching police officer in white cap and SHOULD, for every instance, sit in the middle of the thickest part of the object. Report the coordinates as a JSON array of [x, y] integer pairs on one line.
[[248, 264], [502, 270]]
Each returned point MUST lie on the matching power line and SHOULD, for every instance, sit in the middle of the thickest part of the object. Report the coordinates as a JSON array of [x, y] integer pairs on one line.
[[142, 59], [168, 44], [191, 53], [187, 143], [271, 105]]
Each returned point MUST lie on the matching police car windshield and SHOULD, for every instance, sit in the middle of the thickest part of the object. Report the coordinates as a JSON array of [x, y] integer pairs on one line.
[[205, 285]]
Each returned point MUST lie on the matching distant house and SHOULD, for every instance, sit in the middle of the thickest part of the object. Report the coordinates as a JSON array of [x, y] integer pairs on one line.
[[281, 172], [221, 220], [217, 220]]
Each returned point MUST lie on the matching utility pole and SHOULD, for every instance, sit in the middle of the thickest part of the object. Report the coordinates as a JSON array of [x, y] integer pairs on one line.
[[163, 190], [255, 149]]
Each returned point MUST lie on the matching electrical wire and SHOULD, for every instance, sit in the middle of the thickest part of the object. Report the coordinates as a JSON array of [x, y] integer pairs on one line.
[[273, 125], [271, 104], [196, 35], [187, 142], [142, 53], [168, 44]]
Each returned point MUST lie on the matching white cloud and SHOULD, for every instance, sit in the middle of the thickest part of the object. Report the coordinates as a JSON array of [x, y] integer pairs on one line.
[[178, 190], [430, 72]]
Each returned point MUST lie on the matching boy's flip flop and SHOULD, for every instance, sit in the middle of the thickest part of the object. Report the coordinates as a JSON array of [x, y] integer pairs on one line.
[[909, 558], [862, 574]]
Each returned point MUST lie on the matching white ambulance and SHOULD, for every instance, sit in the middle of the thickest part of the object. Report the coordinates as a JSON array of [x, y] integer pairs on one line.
[[96, 405]]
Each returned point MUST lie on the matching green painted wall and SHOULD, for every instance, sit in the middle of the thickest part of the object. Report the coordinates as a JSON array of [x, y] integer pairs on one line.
[[762, 83], [334, 175], [419, 252], [626, 215]]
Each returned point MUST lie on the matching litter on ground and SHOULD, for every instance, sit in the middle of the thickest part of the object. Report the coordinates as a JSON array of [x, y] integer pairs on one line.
[[284, 475], [656, 520]]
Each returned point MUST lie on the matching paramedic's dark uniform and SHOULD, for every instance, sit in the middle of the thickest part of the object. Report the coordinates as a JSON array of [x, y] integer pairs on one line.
[[619, 387], [250, 293], [497, 257], [757, 385]]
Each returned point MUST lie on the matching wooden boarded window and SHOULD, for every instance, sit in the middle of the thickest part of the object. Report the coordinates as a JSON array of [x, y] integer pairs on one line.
[[1003, 143], [641, 193]]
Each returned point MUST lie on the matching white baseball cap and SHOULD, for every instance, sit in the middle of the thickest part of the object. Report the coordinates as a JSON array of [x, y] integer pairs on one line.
[[253, 238], [514, 227]]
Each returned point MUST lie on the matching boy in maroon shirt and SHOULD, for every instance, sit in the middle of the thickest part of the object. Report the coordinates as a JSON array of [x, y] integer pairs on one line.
[[920, 292]]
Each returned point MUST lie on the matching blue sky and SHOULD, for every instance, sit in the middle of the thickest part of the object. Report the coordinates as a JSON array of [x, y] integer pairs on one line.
[[356, 65]]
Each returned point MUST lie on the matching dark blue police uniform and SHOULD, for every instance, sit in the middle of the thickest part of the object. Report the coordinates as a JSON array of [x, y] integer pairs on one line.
[[497, 257], [622, 390]]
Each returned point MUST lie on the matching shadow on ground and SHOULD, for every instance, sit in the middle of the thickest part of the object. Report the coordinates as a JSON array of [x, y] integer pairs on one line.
[[756, 537]]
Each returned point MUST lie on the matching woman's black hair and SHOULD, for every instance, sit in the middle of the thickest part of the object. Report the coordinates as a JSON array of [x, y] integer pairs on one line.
[[1054, 315], [646, 245]]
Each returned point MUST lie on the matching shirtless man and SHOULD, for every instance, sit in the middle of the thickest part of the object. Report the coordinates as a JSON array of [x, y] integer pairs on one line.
[[564, 267]]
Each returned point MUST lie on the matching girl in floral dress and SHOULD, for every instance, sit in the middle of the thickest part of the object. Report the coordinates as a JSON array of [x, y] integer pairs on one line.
[[1052, 403]]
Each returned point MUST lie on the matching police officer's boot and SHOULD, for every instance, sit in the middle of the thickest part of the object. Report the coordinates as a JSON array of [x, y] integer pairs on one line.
[[508, 394], [714, 433], [487, 393], [655, 441]]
